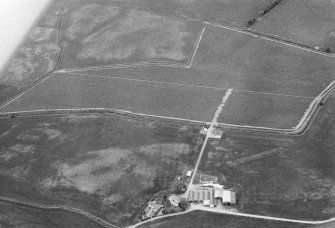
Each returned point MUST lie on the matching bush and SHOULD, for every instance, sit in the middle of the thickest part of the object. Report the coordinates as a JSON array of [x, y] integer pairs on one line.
[[184, 205], [251, 22]]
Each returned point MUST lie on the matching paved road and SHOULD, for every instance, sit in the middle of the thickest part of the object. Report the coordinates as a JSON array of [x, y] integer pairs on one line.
[[228, 212]]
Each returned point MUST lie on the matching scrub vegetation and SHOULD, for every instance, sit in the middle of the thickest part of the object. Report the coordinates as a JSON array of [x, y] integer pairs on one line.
[[105, 165]]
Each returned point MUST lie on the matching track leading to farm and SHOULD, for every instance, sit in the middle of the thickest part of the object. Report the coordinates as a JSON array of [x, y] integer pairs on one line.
[[213, 124]]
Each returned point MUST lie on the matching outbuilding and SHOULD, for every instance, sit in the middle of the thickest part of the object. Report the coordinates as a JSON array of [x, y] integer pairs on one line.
[[189, 173], [228, 197]]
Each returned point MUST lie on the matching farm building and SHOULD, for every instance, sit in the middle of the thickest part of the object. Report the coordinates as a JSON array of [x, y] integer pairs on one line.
[[151, 210], [227, 197], [202, 195], [209, 195]]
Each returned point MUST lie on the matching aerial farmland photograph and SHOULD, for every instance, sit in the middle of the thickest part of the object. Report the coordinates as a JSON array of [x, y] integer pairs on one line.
[[167, 113]]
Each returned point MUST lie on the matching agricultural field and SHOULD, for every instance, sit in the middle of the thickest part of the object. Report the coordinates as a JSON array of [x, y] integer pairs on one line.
[[109, 166], [264, 110], [254, 64], [98, 34], [7, 91], [280, 176], [62, 91], [199, 219], [307, 21], [137, 90], [112, 32], [14, 216], [174, 75], [231, 12]]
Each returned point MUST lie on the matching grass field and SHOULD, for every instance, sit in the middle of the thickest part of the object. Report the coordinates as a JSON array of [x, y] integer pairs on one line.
[[68, 91], [106, 165], [199, 219], [7, 91], [64, 91], [14, 216], [290, 177], [308, 21], [264, 110], [163, 74], [254, 64], [228, 12]]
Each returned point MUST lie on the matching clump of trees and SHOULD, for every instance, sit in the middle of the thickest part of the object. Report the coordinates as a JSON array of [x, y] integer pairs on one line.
[[263, 12], [251, 22], [184, 204]]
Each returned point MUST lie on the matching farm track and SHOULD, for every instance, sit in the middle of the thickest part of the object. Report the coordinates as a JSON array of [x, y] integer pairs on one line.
[[256, 156], [300, 129], [211, 127], [74, 210], [181, 84], [118, 66], [273, 38]]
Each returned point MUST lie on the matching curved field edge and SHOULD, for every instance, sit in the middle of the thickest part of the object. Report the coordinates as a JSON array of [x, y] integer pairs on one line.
[[300, 128]]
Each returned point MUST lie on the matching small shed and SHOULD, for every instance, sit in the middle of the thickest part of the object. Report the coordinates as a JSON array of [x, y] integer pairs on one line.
[[189, 173]]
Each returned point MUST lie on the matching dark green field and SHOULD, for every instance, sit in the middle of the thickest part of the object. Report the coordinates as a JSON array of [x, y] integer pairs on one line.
[[291, 177], [105, 165], [18, 216]]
